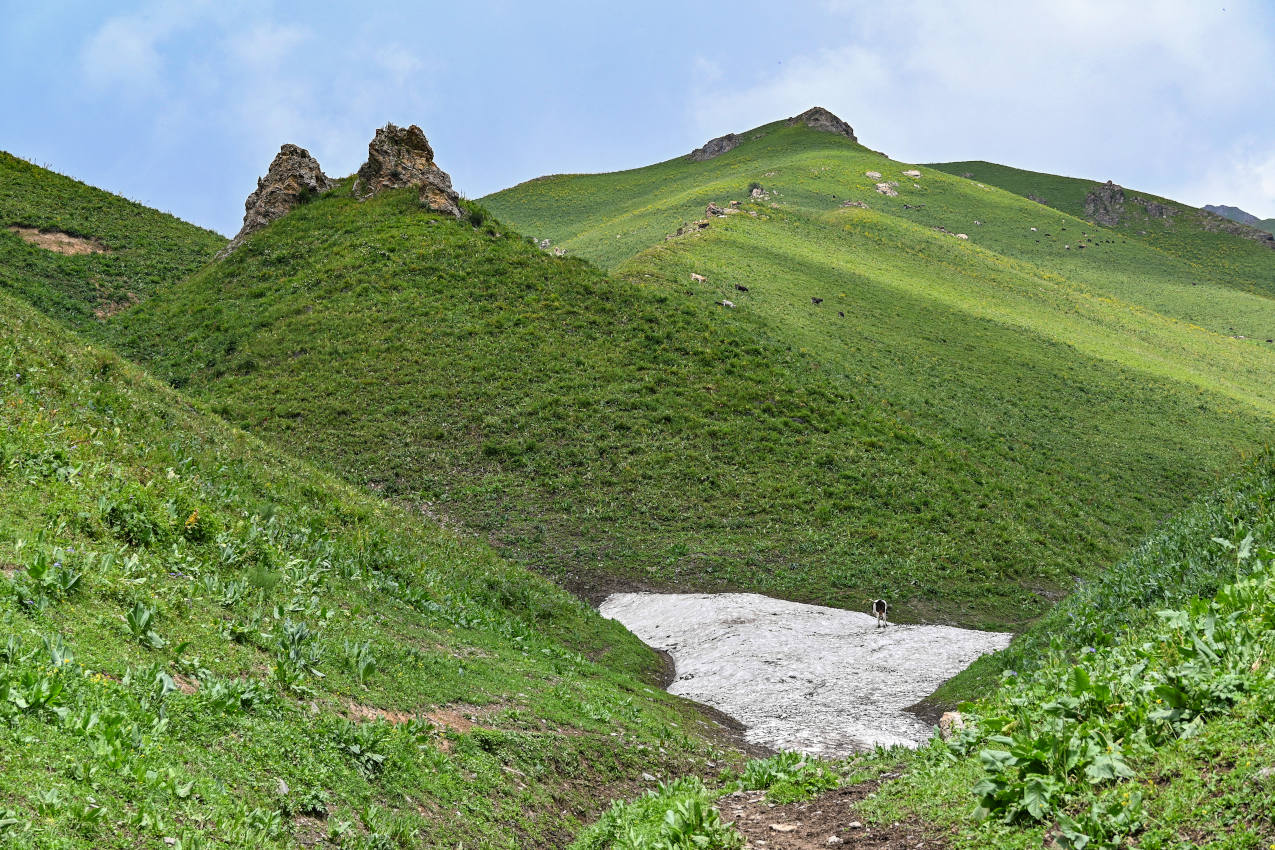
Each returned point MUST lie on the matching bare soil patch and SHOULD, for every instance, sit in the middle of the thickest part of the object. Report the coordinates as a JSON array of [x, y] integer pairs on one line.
[[57, 241], [828, 820], [111, 308]]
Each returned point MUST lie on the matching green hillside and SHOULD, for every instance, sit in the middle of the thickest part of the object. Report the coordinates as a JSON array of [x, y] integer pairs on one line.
[[618, 432], [137, 248], [1178, 230], [206, 644]]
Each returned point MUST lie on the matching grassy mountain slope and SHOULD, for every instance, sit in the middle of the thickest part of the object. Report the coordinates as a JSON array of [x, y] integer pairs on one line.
[[591, 427], [1184, 233], [144, 248], [205, 643], [925, 447]]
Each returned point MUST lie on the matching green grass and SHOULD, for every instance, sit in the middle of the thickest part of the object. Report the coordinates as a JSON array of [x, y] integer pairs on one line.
[[203, 640], [1157, 734], [599, 428], [1211, 256], [146, 248]]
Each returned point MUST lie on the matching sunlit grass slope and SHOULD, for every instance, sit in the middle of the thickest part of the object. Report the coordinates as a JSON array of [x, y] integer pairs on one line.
[[145, 248], [206, 644], [1183, 232], [606, 429]]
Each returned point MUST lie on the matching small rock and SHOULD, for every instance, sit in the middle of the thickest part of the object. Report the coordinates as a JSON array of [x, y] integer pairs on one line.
[[887, 190], [950, 723], [784, 827], [282, 788], [646, 777], [169, 840], [854, 824], [872, 175], [912, 172], [961, 236], [832, 839]]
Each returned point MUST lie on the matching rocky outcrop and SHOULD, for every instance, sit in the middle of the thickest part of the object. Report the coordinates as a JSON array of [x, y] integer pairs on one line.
[[1105, 204], [818, 118], [1155, 209], [399, 157], [294, 178], [716, 147], [1215, 223]]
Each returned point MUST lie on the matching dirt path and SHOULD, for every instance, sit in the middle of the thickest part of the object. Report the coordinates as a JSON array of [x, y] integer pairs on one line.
[[827, 821], [801, 677]]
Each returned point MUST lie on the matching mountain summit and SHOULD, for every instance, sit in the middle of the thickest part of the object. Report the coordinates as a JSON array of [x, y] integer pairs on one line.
[[818, 118]]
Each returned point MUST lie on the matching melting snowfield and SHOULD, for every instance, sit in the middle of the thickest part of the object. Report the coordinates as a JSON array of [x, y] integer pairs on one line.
[[801, 677]]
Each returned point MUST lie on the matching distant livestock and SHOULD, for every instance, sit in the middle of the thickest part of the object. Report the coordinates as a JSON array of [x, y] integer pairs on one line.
[[816, 301], [740, 287], [725, 303], [698, 278]]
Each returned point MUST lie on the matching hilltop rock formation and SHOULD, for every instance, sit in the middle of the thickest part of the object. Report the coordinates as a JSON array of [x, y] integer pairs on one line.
[[1105, 204], [818, 118], [294, 177], [398, 157], [716, 147]]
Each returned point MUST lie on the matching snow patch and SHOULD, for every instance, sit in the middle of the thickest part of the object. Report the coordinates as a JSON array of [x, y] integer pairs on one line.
[[823, 681]]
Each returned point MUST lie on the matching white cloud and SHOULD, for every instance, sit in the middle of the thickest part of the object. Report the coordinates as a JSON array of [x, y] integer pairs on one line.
[[123, 53], [1128, 90]]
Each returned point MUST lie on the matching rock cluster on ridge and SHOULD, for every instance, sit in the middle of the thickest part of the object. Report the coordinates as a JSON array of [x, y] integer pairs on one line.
[[398, 157], [818, 118], [716, 147], [294, 177], [1105, 204]]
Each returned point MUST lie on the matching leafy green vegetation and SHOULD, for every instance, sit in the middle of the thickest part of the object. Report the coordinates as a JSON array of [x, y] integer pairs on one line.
[[1158, 733], [675, 816], [143, 248], [204, 641]]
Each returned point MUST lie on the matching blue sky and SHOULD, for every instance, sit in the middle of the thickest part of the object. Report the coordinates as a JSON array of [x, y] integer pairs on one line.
[[181, 105]]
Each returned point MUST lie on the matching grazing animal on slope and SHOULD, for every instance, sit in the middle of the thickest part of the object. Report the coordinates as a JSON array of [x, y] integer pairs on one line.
[[816, 301], [880, 608]]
